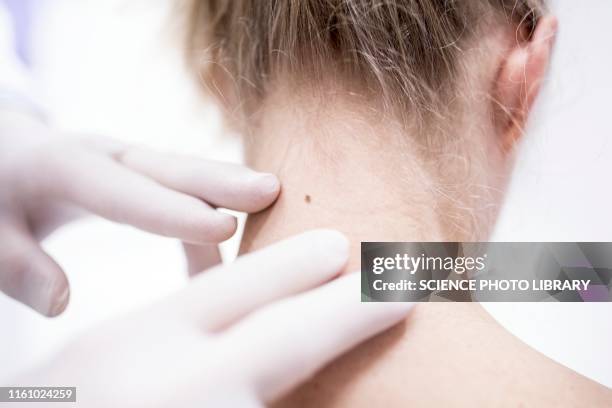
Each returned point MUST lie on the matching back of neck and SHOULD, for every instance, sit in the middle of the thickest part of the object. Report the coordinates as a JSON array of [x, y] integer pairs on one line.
[[343, 166]]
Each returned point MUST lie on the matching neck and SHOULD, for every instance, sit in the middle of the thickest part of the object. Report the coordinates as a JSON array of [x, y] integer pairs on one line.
[[344, 167]]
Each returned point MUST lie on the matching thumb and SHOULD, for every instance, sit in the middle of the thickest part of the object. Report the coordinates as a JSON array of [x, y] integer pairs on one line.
[[29, 275]]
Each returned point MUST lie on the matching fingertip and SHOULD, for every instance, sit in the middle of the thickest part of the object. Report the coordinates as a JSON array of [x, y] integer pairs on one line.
[[200, 227], [264, 189], [397, 310], [59, 301], [392, 311], [55, 290], [268, 185], [331, 246], [46, 288], [221, 228]]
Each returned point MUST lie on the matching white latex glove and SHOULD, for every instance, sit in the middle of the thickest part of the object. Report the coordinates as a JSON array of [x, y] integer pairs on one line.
[[236, 336], [44, 177]]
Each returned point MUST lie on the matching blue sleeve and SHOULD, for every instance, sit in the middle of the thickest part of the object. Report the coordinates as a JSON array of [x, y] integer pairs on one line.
[[21, 12]]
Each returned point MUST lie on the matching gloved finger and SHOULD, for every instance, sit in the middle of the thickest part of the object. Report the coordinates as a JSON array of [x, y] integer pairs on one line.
[[220, 184], [201, 257], [100, 185], [104, 144], [285, 343], [223, 295], [29, 275]]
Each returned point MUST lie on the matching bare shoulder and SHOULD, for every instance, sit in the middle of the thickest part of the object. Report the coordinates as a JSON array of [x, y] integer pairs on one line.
[[447, 354]]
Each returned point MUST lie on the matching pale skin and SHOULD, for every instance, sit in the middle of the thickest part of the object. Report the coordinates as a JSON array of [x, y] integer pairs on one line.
[[343, 164]]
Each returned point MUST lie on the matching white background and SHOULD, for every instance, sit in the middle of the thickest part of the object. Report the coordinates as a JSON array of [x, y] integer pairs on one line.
[[113, 67]]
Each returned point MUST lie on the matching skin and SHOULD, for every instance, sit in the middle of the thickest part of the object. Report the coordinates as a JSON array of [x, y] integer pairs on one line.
[[344, 164], [426, 360]]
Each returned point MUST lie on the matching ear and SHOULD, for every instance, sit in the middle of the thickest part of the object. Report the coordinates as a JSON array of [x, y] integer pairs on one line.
[[519, 79]]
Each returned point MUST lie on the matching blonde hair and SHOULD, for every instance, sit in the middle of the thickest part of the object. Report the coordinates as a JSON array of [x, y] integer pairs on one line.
[[405, 51]]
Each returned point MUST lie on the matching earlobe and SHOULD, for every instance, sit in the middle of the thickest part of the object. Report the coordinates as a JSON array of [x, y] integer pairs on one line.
[[520, 78]]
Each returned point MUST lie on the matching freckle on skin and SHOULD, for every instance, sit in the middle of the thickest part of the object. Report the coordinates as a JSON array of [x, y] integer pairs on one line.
[[307, 199]]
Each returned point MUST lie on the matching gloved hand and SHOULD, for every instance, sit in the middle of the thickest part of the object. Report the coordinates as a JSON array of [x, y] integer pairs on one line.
[[46, 177], [236, 336]]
